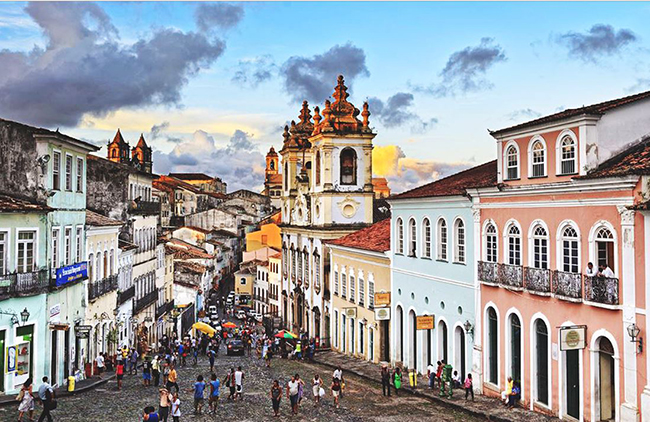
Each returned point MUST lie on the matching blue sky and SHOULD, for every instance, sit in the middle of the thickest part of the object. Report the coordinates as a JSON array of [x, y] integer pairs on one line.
[[453, 83]]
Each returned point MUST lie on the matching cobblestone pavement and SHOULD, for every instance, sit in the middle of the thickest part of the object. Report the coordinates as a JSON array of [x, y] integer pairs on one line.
[[363, 400]]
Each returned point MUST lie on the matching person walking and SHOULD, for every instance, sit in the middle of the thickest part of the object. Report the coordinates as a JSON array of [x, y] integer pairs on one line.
[[292, 392], [176, 408], [316, 387], [397, 379], [146, 372], [276, 396], [46, 395], [172, 379], [165, 371], [119, 373], [99, 361], [26, 400], [214, 394], [155, 370], [336, 391], [338, 374], [229, 382], [239, 383], [134, 361], [165, 402], [469, 386], [199, 391], [211, 356], [385, 380]]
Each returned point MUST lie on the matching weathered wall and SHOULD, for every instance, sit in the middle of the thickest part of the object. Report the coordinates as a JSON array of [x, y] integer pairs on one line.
[[20, 175], [107, 188]]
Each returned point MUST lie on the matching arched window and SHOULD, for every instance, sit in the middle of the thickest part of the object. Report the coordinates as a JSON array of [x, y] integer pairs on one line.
[[512, 163], [305, 259], [541, 362], [540, 247], [426, 238], [272, 165], [285, 259], [491, 243], [91, 267], [352, 287], [286, 176], [98, 267], [515, 348], [299, 258], [605, 248], [442, 240], [570, 251], [412, 238], [348, 167], [112, 262], [492, 346], [538, 159], [567, 155], [344, 284], [362, 291], [317, 168], [514, 245], [293, 263], [459, 238], [399, 244]]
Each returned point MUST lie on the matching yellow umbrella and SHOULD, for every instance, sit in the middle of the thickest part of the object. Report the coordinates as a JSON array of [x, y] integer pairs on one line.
[[204, 328]]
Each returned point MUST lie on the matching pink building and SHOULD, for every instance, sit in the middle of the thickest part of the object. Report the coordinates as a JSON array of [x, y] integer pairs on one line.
[[571, 191]]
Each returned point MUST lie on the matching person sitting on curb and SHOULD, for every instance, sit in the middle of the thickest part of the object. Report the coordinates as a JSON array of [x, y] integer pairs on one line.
[[515, 396]]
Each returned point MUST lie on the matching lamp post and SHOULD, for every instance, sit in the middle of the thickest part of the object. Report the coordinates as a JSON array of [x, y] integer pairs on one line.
[[633, 331]]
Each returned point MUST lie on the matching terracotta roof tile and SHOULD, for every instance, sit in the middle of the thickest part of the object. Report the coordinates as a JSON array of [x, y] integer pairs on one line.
[[456, 184], [96, 219], [191, 176], [12, 204], [184, 250], [374, 238], [634, 160]]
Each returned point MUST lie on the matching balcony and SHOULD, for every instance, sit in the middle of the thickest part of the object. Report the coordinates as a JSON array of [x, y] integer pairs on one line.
[[145, 301], [567, 286], [24, 284], [164, 308], [511, 276], [488, 272], [601, 290], [125, 295], [101, 287], [144, 207], [537, 280]]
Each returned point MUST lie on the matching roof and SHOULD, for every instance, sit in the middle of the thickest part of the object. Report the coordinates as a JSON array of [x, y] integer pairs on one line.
[[141, 142], [593, 110], [191, 176], [126, 246], [189, 267], [118, 139], [223, 232], [634, 160], [456, 184], [274, 179], [374, 238], [196, 229], [184, 250], [56, 134], [276, 255], [13, 204], [170, 182], [96, 219]]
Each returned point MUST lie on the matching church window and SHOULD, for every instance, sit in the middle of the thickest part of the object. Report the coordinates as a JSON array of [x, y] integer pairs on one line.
[[348, 167]]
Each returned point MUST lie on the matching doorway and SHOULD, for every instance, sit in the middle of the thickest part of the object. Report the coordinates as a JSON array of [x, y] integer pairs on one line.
[[459, 348], [54, 358], [66, 354], [414, 347], [572, 383], [400, 333], [2, 361], [443, 344], [385, 337], [606, 389]]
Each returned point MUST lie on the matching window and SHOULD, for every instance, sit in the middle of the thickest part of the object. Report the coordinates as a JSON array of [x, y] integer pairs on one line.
[[80, 169], [4, 252], [412, 237], [78, 244], [286, 176], [68, 172], [400, 236], [55, 247], [111, 261], [299, 258], [459, 234], [491, 243], [515, 348], [570, 250], [540, 247], [492, 337], [91, 268], [538, 159], [512, 163], [426, 232], [344, 285], [68, 245], [317, 271], [285, 259], [567, 155], [352, 289], [371, 293], [25, 251], [305, 257], [56, 170], [362, 292], [605, 248], [317, 176], [98, 267], [514, 245], [293, 263], [442, 239], [336, 282], [348, 167], [541, 361]]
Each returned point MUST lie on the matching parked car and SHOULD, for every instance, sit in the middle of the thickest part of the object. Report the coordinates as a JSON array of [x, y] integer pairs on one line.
[[212, 310], [259, 317], [229, 302], [235, 346], [241, 314]]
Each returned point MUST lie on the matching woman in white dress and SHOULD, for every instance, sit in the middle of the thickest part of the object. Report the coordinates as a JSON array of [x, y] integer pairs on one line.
[[316, 387], [26, 400]]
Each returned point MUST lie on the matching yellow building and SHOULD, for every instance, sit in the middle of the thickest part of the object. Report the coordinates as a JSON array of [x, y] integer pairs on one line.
[[267, 235], [360, 280]]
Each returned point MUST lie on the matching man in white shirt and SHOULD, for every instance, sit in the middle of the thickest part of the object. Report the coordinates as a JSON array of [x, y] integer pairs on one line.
[[239, 387], [607, 272], [590, 271], [292, 392], [431, 374], [100, 364], [338, 374]]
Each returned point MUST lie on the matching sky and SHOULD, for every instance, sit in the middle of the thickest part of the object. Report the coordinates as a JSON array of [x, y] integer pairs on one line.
[[211, 85]]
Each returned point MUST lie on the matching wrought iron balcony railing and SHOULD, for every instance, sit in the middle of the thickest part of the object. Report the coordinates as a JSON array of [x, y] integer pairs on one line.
[[101, 287], [24, 284], [567, 285], [164, 308], [511, 276], [488, 272], [145, 301], [601, 290], [125, 295], [144, 207], [537, 279]]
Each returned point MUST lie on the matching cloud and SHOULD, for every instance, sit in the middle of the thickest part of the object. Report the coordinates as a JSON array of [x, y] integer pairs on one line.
[[524, 113], [236, 160], [396, 111], [86, 69], [313, 78], [404, 173], [465, 70], [601, 40], [252, 72], [218, 15], [156, 130]]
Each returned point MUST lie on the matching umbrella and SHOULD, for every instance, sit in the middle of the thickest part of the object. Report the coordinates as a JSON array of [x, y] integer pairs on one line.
[[285, 334], [229, 325], [204, 328]]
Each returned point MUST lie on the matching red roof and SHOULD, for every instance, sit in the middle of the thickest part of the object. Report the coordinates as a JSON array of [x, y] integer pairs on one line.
[[456, 184], [594, 110], [374, 238], [634, 160], [95, 219], [12, 204]]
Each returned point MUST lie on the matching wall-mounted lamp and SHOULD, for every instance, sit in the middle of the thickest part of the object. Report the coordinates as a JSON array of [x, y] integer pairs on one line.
[[469, 328], [24, 316], [633, 331]]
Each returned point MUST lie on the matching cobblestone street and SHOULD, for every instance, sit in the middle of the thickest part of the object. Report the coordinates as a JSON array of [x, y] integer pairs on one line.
[[363, 401]]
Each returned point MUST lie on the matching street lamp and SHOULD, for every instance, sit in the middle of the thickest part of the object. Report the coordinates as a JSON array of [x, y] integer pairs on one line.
[[633, 331], [116, 312], [469, 328], [24, 315]]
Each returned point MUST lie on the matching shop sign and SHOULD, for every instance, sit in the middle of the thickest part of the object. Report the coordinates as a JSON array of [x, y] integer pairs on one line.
[[350, 312], [382, 299], [573, 338], [82, 331], [71, 273], [382, 314], [424, 322], [55, 311], [59, 327]]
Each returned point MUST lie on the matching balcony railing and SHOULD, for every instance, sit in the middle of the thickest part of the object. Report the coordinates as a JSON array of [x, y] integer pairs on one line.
[[601, 290], [567, 285], [125, 295], [101, 287], [24, 284], [488, 272], [537, 279], [145, 301], [164, 308], [144, 207], [512, 276]]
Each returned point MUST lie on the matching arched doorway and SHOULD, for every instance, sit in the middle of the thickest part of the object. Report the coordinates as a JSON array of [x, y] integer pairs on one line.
[[399, 335], [606, 389], [492, 346], [443, 343], [413, 355], [459, 351], [541, 362], [515, 348]]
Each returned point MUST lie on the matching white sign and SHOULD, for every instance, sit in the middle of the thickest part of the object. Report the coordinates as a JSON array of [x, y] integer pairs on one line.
[[382, 314], [554, 351], [55, 311], [573, 338], [350, 312]]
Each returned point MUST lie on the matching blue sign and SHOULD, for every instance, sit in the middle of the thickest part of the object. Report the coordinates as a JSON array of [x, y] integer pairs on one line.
[[71, 273]]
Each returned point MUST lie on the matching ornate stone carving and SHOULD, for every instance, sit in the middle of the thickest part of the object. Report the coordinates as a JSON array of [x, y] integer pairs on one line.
[[627, 215], [476, 214], [348, 207]]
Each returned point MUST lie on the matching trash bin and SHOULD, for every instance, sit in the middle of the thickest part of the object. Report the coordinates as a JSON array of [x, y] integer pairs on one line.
[[71, 383]]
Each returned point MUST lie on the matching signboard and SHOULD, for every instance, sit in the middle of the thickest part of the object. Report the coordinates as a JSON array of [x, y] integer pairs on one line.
[[382, 314], [350, 312], [382, 299], [10, 365], [71, 273], [59, 327], [82, 331], [55, 311], [573, 338], [424, 322]]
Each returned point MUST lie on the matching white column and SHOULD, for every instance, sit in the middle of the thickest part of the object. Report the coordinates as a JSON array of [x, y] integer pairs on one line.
[[645, 396], [629, 410], [477, 352]]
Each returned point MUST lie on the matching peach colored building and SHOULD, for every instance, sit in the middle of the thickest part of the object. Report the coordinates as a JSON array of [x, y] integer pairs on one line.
[[572, 191]]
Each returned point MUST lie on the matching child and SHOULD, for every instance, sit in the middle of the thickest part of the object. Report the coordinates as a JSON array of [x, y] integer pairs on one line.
[[469, 387], [119, 373], [150, 414], [199, 388], [176, 408], [214, 393]]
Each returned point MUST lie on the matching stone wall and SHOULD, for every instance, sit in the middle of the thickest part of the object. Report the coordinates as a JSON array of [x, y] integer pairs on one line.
[[21, 175], [107, 187]]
